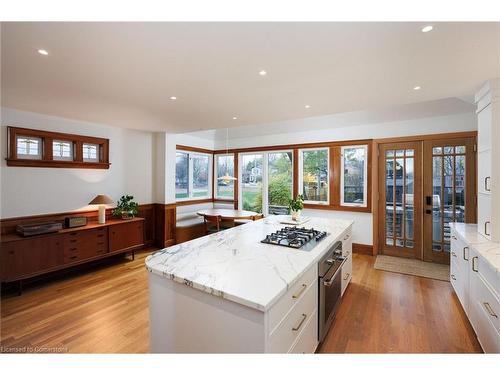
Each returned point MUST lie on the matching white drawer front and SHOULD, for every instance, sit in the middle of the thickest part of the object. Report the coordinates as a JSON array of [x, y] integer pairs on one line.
[[292, 296], [485, 299], [308, 339], [346, 273], [284, 336]]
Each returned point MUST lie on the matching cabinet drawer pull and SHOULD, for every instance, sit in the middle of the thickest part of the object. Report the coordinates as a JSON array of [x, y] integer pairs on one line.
[[452, 253], [72, 241], [100, 235], [473, 264], [486, 227], [73, 257], [304, 316], [347, 276], [347, 253], [486, 187], [454, 237], [467, 259], [73, 249], [100, 243], [302, 289], [73, 233], [346, 237], [453, 277], [489, 309]]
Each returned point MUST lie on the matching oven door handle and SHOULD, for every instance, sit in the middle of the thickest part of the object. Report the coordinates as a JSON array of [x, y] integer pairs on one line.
[[329, 282]]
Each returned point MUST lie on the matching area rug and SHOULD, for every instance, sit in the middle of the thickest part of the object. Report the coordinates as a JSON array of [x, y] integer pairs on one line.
[[412, 267]]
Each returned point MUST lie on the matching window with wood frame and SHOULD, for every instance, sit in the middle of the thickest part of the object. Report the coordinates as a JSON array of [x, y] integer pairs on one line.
[[38, 148]]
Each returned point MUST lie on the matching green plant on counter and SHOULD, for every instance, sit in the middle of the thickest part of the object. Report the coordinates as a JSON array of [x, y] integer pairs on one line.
[[296, 204], [126, 207]]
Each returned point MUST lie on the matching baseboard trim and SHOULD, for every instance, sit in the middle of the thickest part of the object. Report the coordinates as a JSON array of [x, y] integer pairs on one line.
[[360, 248]]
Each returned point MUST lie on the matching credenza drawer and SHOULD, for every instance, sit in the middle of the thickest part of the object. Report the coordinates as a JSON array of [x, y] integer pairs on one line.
[[284, 336], [291, 297]]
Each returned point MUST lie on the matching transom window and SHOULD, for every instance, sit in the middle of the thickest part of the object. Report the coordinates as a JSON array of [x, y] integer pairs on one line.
[[29, 147], [90, 153], [62, 150]]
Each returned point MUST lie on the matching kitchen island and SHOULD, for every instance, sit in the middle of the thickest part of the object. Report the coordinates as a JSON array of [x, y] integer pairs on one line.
[[228, 292]]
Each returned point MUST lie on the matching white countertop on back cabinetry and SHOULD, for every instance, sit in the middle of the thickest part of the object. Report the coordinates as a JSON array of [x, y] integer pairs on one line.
[[235, 265], [489, 250]]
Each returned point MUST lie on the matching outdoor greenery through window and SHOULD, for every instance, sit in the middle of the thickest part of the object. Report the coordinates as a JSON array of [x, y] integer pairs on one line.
[[313, 171], [280, 182], [251, 182], [225, 165], [192, 175], [354, 175]]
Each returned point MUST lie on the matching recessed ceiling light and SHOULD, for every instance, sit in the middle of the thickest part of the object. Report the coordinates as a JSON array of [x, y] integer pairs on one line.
[[307, 106], [426, 29], [262, 72], [235, 118], [43, 52], [173, 98], [417, 88]]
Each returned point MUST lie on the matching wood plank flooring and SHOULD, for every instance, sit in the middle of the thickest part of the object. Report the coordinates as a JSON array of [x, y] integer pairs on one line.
[[105, 310]]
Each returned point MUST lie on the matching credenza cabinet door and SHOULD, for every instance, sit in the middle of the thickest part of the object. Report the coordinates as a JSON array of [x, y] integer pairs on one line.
[[126, 235], [30, 256]]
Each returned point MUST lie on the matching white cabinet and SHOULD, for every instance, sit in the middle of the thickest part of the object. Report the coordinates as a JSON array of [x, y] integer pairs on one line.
[[488, 159], [477, 286]]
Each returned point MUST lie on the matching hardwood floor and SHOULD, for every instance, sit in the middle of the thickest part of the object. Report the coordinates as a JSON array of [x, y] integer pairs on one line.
[[105, 310]]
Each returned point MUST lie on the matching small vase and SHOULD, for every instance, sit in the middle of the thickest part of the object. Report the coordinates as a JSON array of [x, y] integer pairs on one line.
[[295, 214], [127, 215]]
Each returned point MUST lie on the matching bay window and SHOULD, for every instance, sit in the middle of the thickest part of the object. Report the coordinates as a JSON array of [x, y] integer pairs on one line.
[[192, 175], [314, 175]]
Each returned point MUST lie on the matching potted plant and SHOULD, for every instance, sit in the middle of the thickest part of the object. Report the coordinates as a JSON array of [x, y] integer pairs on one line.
[[126, 207], [296, 206]]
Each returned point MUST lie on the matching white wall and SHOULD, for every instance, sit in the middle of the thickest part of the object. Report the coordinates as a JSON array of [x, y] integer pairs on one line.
[[363, 222], [32, 191]]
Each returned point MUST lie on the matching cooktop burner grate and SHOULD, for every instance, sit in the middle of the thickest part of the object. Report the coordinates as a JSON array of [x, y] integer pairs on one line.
[[294, 237]]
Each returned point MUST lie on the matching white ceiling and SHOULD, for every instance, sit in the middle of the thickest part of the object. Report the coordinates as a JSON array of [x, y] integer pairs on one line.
[[123, 74]]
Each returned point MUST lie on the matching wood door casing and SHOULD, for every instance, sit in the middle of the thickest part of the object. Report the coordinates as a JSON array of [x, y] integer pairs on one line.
[[457, 149], [415, 201]]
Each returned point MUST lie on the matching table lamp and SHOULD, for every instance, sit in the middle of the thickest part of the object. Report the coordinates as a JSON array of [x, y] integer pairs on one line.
[[102, 200]]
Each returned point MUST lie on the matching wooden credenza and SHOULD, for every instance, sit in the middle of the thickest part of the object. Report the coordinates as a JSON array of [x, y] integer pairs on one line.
[[25, 257]]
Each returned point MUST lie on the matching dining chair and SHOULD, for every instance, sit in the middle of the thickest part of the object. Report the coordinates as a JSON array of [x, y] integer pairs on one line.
[[212, 223], [257, 217]]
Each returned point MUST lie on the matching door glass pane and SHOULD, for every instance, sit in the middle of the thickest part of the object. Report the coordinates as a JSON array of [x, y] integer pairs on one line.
[[280, 182], [389, 200], [200, 175], [448, 194], [399, 209], [251, 182], [460, 188], [436, 200]]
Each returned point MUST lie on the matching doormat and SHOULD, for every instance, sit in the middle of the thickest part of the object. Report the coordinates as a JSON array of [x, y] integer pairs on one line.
[[413, 267]]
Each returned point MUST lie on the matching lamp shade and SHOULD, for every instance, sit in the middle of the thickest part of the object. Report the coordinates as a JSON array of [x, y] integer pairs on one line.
[[101, 199]]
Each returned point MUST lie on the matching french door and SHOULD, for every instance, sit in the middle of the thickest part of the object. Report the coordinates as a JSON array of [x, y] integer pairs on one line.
[[400, 203], [423, 186], [449, 192]]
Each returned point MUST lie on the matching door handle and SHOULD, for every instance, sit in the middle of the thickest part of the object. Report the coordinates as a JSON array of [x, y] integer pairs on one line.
[[473, 264], [466, 247], [486, 227], [428, 200], [486, 179], [428, 212]]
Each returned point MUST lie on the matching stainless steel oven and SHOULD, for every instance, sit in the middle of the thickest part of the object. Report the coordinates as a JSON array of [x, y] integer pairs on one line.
[[329, 287]]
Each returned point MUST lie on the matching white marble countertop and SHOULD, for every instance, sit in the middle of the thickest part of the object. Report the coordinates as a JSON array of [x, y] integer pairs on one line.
[[487, 249], [235, 265]]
